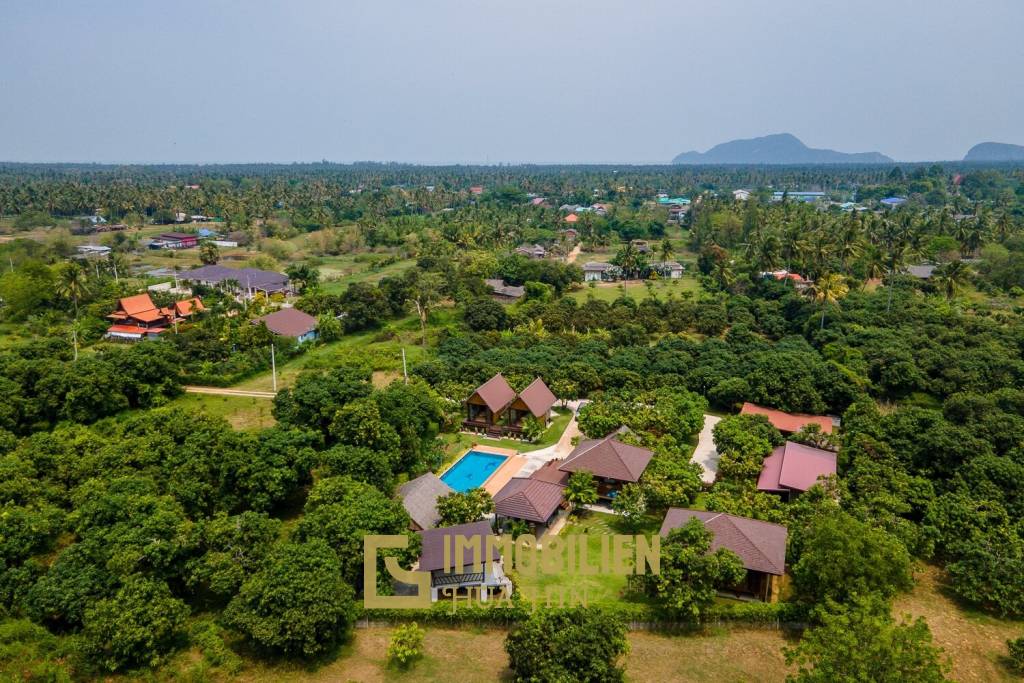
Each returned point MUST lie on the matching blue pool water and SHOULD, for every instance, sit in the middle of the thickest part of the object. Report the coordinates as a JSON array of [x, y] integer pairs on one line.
[[472, 470]]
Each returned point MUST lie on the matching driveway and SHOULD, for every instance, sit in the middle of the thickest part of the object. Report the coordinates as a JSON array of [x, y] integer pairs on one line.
[[705, 454], [537, 459]]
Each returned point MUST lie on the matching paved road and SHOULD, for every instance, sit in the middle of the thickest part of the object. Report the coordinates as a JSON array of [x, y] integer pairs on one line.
[[705, 453], [220, 391]]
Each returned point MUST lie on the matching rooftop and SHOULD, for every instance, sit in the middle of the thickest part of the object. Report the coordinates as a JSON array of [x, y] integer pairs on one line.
[[609, 457], [496, 393], [789, 422], [288, 322], [419, 497], [434, 540], [761, 546], [527, 498], [793, 466], [538, 398]]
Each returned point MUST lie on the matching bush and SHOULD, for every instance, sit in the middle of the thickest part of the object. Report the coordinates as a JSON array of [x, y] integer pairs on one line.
[[1016, 648], [578, 644], [406, 645]]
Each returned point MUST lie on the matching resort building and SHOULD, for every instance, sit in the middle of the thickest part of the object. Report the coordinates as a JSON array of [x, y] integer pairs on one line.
[[446, 582], [137, 317], [612, 462], [761, 546], [497, 410], [792, 468], [789, 423], [419, 498]]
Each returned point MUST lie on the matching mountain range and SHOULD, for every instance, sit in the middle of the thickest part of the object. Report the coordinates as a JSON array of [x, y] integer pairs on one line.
[[995, 151], [781, 148]]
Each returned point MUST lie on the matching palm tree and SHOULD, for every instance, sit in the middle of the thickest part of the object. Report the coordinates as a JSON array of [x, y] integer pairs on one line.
[[829, 289], [951, 277], [72, 282], [666, 249], [580, 489]]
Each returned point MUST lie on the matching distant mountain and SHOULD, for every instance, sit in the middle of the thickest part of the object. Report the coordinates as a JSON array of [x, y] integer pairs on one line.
[[995, 151], [781, 148]]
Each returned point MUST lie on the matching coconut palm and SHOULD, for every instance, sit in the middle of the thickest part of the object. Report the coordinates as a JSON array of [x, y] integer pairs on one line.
[[72, 282], [951, 277], [829, 289]]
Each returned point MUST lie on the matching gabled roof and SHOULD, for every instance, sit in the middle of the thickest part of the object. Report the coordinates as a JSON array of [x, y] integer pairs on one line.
[[597, 265], [788, 422], [150, 316], [136, 304], [610, 458], [537, 397], [419, 497], [795, 466], [187, 307], [496, 393], [527, 498], [289, 322], [550, 472], [432, 557], [499, 287], [760, 545]]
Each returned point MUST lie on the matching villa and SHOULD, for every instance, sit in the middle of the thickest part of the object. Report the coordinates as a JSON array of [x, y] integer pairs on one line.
[[497, 410], [462, 580], [792, 468], [612, 462], [136, 317], [246, 282], [789, 423], [761, 546]]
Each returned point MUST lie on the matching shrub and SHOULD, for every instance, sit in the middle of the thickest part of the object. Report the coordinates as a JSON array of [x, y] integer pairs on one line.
[[406, 645], [578, 644], [1016, 648]]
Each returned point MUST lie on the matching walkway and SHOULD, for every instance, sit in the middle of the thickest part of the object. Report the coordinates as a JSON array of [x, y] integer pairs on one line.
[[536, 459], [705, 453], [571, 256], [221, 391]]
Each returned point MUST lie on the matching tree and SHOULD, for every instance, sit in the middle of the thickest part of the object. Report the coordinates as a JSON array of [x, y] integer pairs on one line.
[[690, 573], [72, 282], [137, 626], [581, 489], [581, 644], [360, 423], [840, 556], [483, 314], [1016, 651], [234, 548], [862, 642], [829, 289], [209, 254], [533, 428], [303, 275], [406, 645], [317, 396], [424, 292], [630, 260], [631, 503], [297, 604], [665, 251], [463, 508], [951, 277], [362, 464]]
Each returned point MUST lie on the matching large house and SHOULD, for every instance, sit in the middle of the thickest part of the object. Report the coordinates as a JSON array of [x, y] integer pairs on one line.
[[761, 546], [137, 317], [419, 497], [290, 322], [612, 462], [789, 423], [497, 410], [460, 581], [792, 468], [246, 282]]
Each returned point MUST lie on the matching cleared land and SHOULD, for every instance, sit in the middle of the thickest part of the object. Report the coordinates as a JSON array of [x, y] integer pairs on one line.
[[637, 289]]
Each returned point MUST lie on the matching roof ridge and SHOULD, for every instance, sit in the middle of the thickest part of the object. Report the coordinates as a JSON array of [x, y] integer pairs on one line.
[[747, 538]]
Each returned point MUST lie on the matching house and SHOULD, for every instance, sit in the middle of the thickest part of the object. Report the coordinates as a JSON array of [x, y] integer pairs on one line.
[[497, 410], [893, 202], [741, 195], [798, 280], [246, 282], [290, 322], [419, 498], [792, 468], [923, 271], [570, 234], [476, 189], [174, 240], [612, 463], [535, 400], [789, 423], [670, 269], [448, 581], [504, 293], [571, 218], [532, 250], [136, 317], [665, 200], [540, 201], [798, 196], [597, 271], [92, 250], [599, 209], [761, 546], [641, 246], [530, 500]]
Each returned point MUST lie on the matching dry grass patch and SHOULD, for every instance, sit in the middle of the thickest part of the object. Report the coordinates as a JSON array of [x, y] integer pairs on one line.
[[719, 655]]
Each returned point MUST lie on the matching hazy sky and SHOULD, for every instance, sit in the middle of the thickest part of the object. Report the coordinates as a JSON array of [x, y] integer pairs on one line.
[[435, 81]]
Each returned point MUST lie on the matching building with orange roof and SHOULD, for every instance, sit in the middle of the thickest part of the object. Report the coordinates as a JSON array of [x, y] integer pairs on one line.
[[137, 317], [789, 423]]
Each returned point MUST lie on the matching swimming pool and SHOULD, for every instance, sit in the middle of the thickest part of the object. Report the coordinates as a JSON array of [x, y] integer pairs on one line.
[[472, 470]]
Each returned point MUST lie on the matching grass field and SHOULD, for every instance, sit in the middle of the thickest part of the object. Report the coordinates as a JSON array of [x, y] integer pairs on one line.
[[639, 290], [456, 444], [242, 412]]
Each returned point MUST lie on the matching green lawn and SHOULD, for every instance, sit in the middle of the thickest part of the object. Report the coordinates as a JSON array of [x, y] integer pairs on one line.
[[600, 588], [456, 444], [638, 290], [338, 272], [241, 411]]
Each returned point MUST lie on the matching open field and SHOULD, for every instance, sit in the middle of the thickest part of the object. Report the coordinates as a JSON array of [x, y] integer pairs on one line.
[[241, 411], [637, 289]]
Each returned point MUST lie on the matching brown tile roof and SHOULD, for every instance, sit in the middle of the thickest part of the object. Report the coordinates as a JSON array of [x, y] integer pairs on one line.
[[788, 422], [288, 322], [432, 557], [793, 466], [133, 305], [610, 458], [760, 545], [527, 498], [537, 397], [496, 393], [550, 472]]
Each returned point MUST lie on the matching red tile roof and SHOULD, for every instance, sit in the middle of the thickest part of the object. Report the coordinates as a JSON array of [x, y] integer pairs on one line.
[[609, 458], [788, 422], [432, 557], [571, 218], [796, 467], [132, 329], [760, 545], [133, 305], [530, 499], [496, 393], [538, 398]]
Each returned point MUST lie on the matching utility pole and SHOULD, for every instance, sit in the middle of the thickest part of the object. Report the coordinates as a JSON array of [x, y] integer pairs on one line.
[[405, 369], [273, 368]]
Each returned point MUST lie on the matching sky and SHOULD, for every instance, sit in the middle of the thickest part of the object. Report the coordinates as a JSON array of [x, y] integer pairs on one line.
[[483, 81]]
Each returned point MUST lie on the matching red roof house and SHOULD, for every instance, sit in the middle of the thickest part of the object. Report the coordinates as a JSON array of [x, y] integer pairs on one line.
[[571, 218], [137, 317], [788, 423], [761, 546], [793, 467], [536, 400]]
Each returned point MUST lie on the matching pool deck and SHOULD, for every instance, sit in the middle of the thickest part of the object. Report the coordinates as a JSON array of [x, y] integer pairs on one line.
[[508, 469]]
